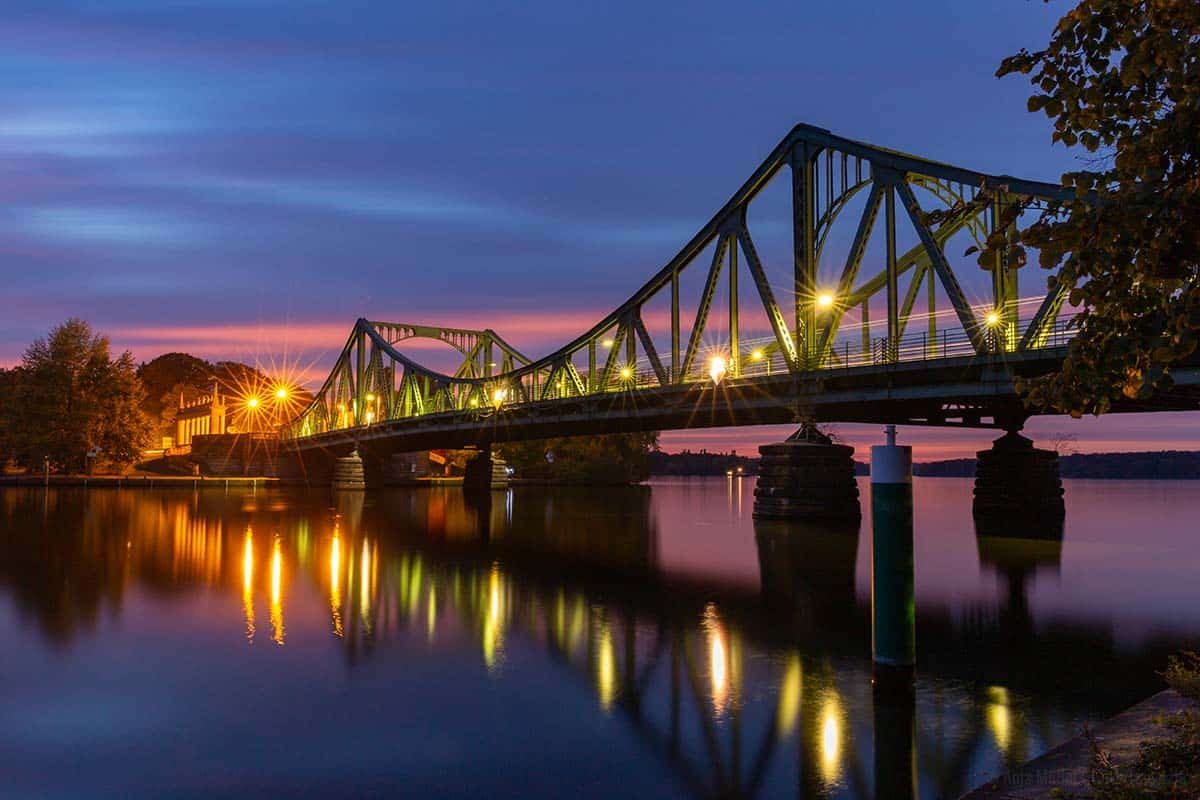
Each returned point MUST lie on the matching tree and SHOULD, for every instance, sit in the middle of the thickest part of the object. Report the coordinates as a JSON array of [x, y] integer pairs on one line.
[[71, 398], [166, 378], [1121, 79], [8, 388]]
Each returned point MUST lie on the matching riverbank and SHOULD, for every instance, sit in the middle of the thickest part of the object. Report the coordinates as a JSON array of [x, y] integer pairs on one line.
[[134, 481], [1066, 767]]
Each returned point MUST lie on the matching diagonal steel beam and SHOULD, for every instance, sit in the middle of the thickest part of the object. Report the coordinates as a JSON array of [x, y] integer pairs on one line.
[[774, 312], [710, 288], [1039, 327], [611, 362], [914, 257], [910, 297], [651, 353], [858, 247], [942, 267]]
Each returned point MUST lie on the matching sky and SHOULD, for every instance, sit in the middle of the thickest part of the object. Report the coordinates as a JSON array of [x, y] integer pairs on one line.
[[244, 180]]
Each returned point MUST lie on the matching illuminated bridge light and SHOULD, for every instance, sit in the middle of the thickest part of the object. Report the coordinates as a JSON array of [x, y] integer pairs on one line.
[[626, 373], [825, 300], [281, 393], [757, 355], [252, 402], [717, 368], [607, 344], [993, 318]]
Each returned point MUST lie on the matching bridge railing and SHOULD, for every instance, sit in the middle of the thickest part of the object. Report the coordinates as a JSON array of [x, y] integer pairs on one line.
[[849, 352]]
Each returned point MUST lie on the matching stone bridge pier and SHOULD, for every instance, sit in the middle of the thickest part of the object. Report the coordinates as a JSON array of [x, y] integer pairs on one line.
[[806, 477], [1018, 489]]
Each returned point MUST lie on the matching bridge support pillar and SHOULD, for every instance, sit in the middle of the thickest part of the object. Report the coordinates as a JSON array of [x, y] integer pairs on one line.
[[485, 472], [348, 473], [893, 603], [806, 477], [1018, 489]]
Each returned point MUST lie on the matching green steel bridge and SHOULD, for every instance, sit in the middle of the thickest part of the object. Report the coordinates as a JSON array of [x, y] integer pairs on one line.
[[658, 362]]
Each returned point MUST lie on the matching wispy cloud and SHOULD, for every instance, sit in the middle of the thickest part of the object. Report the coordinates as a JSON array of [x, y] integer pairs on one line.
[[118, 226]]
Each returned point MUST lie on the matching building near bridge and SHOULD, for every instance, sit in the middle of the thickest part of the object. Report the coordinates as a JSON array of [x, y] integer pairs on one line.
[[204, 416]]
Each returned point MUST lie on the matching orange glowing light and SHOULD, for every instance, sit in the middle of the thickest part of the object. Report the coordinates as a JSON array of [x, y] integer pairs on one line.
[[717, 368]]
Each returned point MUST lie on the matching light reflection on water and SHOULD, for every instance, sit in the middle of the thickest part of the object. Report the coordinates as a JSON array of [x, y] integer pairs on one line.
[[656, 640]]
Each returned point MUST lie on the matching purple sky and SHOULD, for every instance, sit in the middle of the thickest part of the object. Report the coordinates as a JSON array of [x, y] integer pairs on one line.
[[243, 180]]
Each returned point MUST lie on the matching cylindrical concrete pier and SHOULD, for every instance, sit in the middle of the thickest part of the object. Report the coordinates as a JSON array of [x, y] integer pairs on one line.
[[1018, 491], [893, 605], [806, 477], [485, 471], [348, 473]]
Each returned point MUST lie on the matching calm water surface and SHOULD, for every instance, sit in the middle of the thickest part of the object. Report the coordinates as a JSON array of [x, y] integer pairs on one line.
[[649, 642]]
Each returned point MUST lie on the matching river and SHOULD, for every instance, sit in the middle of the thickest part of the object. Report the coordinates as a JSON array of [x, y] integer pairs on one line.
[[648, 641]]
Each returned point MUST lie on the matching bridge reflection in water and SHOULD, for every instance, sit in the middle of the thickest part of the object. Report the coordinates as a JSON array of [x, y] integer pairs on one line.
[[741, 690]]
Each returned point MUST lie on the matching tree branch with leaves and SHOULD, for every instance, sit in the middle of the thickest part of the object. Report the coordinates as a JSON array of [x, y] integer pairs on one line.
[[1121, 80]]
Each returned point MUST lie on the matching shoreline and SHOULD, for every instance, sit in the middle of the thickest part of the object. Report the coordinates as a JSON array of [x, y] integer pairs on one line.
[[134, 481], [1066, 767]]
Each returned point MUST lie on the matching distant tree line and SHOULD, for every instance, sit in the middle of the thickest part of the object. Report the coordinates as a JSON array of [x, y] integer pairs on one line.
[[612, 458], [1163, 465], [700, 463]]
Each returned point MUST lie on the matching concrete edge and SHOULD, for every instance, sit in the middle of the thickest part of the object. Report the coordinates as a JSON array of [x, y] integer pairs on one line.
[[1066, 766]]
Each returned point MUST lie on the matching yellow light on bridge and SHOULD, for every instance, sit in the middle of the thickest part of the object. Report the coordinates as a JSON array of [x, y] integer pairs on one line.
[[993, 318], [499, 396], [370, 398], [717, 368], [757, 355], [252, 402], [825, 300], [626, 373], [281, 393], [607, 344]]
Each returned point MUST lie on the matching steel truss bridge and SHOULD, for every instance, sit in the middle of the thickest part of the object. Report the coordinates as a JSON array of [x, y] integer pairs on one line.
[[635, 371]]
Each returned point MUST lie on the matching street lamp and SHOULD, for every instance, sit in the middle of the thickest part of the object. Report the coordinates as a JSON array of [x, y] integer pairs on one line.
[[716, 369]]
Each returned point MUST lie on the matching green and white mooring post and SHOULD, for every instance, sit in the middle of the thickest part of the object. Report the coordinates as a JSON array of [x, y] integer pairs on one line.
[[893, 612]]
